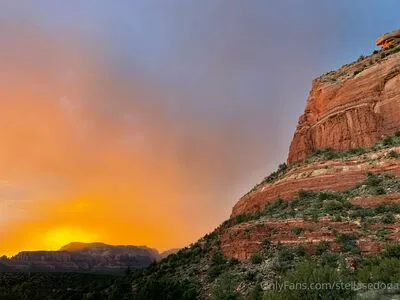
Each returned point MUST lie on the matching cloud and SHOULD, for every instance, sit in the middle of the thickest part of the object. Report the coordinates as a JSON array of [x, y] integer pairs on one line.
[[142, 123]]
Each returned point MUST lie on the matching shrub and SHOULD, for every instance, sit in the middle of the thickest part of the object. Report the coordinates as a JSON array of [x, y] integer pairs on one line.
[[275, 295], [303, 194], [267, 243], [338, 218], [349, 243], [321, 247], [388, 141], [392, 250], [225, 289], [355, 151], [233, 262], [214, 271], [362, 212], [256, 293], [393, 154], [381, 208], [256, 259], [164, 288], [388, 218], [299, 251], [274, 205], [332, 206], [330, 259], [325, 154], [328, 195], [217, 266], [250, 275], [314, 217], [372, 179], [297, 230], [284, 258], [282, 167], [379, 190], [387, 271], [310, 273]]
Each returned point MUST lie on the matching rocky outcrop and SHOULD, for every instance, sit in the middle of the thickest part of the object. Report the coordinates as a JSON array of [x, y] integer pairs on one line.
[[387, 39], [92, 257], [243, 240], [352, 107], [333, 175]]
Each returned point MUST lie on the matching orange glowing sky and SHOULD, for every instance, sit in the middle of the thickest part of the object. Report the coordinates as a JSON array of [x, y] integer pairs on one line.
[[88, 154], [143, 122]]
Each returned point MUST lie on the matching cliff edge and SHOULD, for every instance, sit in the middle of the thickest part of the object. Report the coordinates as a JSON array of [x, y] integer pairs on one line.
[[352, 107]]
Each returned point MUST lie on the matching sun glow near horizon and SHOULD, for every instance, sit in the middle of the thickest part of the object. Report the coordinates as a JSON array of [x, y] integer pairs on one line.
[[57, 237]]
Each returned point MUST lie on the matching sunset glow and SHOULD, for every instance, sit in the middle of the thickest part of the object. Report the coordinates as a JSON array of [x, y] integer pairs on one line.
[[55, 238], [143, 122]]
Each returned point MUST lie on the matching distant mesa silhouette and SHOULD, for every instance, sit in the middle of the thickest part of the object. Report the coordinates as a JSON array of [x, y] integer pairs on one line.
[[82, 257]]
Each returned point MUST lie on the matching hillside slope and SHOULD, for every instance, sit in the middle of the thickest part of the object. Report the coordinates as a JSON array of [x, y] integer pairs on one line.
[[331, 215]]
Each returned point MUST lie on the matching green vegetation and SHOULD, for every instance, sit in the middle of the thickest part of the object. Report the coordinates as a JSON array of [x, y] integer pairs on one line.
[[312, 205], [297, 230], [321, 247], [349, 243], [218, 265], [256, 258], [307, 274], [388, 218], [393, 154], [328, 153], [166, 288], [282, 168], [225, 289], [370, 60], [54, 286]]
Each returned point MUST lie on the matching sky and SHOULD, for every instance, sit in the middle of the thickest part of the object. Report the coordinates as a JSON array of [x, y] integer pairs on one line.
[[143, 122]]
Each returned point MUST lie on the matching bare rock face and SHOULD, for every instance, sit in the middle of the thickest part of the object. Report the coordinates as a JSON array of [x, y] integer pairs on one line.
[[352, 107], [388, 39]]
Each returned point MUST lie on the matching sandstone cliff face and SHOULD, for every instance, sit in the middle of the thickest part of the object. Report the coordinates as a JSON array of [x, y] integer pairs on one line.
[[334, 175], [352, 107], [242, 240], [237, 243]]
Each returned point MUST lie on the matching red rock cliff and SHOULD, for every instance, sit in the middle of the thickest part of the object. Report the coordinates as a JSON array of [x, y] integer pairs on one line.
[[351, 107]]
